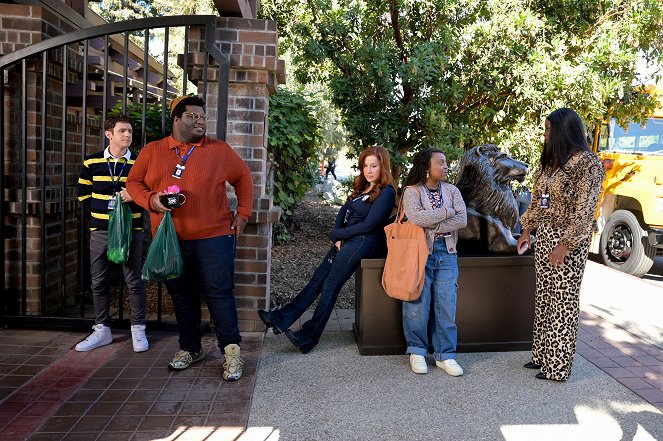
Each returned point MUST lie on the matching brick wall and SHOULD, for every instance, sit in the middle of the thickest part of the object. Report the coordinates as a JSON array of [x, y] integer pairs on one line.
[[255, 71], [23, 25]]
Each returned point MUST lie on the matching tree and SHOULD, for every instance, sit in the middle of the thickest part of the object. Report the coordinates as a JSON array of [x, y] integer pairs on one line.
[[457, 73], [120, 10]]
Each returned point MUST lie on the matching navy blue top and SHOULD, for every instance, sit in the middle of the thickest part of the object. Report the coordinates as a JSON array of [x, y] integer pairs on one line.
[[359, 216]]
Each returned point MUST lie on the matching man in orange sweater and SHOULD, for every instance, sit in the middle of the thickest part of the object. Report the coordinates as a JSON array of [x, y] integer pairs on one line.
[[205, 226]]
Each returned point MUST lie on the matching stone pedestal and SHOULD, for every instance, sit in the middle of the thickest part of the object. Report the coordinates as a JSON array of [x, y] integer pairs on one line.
[[495, 308]]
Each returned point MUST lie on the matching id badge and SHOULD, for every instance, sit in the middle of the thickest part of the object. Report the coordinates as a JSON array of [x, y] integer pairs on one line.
[[545, 201], [111, 203], [179, 171]]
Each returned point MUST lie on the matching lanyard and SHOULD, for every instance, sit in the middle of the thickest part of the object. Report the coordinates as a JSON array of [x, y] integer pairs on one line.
[[112, 176], [550, 175], [177, 152]]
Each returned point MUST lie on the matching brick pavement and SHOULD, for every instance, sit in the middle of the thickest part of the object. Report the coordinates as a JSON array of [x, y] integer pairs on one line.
[[112, 393], [635, 363]]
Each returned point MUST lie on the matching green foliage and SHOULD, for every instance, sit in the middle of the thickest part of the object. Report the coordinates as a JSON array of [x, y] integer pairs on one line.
[[153, 122], [294, 136], [458, 73], [122, 10]]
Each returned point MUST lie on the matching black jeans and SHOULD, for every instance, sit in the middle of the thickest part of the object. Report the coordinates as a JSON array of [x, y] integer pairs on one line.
[[100, 272]]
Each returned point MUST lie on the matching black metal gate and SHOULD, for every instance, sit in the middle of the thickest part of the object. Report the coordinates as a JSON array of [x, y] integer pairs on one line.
[[55, 96]]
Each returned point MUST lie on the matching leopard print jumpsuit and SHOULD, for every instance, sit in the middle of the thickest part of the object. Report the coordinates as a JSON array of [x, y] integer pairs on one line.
[[570, 219]]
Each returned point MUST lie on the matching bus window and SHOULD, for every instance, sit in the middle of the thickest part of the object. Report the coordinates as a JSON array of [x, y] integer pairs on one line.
[[635, 139]]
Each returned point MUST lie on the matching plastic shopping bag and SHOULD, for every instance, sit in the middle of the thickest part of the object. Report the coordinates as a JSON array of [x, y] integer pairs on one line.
[[119, 232], [164, 258]]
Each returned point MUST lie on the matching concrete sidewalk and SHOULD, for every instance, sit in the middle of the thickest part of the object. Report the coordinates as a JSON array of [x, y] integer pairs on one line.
[[334, 393]]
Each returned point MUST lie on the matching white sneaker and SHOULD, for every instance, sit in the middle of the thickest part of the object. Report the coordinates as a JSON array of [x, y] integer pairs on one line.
[[139, 339], [450, 367], [418, 364], [232, 368], [101, 336]]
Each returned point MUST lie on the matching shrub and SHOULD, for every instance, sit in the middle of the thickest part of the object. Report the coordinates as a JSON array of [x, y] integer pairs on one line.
[[294, 137]]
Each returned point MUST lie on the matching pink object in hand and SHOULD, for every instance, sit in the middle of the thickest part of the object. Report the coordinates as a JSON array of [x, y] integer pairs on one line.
[[523, 247], [173, 189]]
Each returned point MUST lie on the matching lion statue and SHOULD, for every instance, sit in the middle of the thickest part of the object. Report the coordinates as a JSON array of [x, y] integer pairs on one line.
[[484, 179]]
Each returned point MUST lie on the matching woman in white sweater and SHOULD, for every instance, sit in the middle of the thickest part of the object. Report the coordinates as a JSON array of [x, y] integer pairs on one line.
[[438, 208]]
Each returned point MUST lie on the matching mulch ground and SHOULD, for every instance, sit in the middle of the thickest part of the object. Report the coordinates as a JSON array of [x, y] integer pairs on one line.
[[294, 261]]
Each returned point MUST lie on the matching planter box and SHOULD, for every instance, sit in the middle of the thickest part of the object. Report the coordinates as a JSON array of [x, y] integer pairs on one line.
[[495, 308]]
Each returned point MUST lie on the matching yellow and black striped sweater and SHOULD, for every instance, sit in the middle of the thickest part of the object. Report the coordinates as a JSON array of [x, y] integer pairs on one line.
[[95, 187]]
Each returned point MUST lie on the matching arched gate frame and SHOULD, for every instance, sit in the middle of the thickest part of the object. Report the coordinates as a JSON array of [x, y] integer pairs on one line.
[[55, 96]]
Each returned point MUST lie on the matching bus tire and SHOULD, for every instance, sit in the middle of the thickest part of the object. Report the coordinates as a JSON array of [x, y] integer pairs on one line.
[[624, 245]]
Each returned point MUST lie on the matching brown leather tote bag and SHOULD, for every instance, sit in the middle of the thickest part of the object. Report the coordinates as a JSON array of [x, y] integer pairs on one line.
[[407, 253]]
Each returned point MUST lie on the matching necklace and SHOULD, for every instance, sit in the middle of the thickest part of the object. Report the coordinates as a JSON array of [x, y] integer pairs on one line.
[[434, 196]]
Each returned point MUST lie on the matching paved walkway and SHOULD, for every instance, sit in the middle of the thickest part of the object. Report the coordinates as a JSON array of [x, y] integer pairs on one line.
[[50, 392]]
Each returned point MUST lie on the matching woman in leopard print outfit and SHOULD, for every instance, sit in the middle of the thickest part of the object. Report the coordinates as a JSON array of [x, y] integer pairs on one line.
[[566, 191]]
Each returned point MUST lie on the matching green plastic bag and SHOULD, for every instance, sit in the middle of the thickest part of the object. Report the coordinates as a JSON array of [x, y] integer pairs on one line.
[[164, 258], [119, 232]]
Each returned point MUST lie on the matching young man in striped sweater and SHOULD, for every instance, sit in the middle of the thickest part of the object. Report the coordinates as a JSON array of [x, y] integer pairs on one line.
[[205, 226], [103, 175]]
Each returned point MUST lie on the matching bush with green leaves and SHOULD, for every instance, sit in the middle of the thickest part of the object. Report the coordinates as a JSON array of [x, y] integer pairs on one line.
[[294, 140]]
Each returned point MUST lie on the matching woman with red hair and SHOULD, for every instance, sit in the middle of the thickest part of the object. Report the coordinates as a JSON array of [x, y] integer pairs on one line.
[[357, 234]]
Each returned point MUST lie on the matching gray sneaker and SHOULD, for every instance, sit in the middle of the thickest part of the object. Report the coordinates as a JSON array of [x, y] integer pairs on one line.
[[232, 368], [184, 359]]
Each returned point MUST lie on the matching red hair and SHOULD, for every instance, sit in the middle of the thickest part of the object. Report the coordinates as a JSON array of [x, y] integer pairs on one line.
[[360, 184]]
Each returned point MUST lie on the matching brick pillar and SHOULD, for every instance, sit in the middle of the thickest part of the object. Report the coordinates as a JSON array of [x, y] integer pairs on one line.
[[255, 71]]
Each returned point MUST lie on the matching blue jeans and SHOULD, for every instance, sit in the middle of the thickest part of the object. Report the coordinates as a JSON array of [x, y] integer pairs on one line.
[[209, 269], [440, 288], [327, 281]]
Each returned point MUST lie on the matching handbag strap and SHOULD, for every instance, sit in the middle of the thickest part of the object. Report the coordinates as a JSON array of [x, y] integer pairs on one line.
[[400, 213]]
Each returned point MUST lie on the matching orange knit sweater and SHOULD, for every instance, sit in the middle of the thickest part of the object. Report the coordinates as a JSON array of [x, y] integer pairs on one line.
[[205, 213]]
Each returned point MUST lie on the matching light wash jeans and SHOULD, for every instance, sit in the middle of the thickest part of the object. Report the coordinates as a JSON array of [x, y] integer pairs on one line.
[[440, 288]]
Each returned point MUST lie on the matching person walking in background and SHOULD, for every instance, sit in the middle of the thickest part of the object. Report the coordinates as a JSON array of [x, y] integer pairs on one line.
[[357, 234], [104, 175], [438, 208], [566, 191], [205, 226], [331, 168]]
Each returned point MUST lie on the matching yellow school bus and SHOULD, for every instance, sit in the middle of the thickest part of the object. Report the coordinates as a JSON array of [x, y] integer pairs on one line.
[[630, 211]]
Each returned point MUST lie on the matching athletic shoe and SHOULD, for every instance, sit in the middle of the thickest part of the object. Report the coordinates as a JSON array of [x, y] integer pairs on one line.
[[450, 367], [232, 368], [418, 364], [139, 339], [101, 336], [184, 359]]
